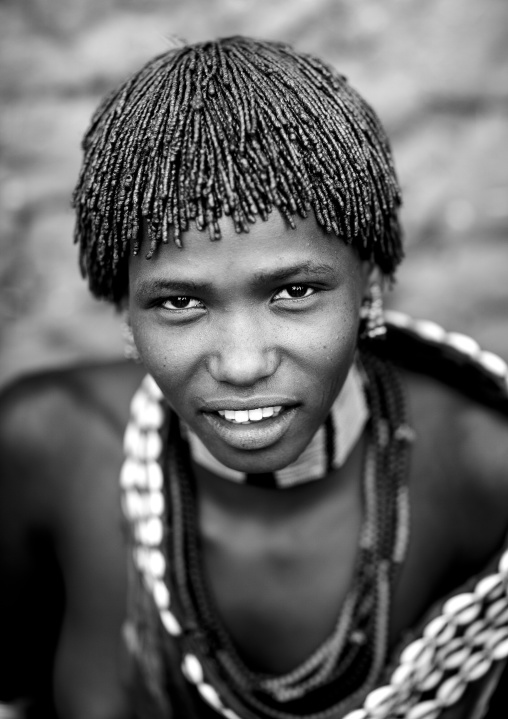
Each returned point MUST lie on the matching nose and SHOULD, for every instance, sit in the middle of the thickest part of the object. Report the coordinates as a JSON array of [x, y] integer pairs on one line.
[[243, 354]]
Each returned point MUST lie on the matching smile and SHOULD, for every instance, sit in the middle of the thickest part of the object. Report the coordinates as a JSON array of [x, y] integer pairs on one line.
[[246, 416], [250, 429]]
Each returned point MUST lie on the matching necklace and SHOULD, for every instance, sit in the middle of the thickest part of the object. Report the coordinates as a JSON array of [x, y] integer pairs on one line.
[[457, 643], [329, 448], [339, 673]]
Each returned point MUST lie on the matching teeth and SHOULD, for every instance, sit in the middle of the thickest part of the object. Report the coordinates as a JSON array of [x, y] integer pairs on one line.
[[250, 415]]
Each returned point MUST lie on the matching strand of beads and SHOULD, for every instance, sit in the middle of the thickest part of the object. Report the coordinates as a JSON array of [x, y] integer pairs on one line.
[[463, 344], [143, 501], [457, 647]]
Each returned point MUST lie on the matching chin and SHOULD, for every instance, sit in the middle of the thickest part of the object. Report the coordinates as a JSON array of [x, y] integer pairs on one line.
[[259, 461]]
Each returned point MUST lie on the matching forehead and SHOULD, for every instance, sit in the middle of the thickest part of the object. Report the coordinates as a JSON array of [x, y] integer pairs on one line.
[[269, 246]]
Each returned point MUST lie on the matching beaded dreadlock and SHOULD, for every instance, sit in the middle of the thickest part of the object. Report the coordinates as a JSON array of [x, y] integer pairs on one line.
[[233, 127]]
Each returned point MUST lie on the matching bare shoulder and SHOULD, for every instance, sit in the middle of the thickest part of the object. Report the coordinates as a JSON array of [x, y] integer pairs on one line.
[[54, 427], [50, 412], [461, 461], [49, 424], [102, 390]]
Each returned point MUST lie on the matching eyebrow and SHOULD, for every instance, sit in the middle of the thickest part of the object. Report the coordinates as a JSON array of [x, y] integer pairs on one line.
[[184, 287], [285, 273]]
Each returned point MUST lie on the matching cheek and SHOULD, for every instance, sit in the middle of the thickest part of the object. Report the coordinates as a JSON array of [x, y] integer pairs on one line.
[[329, 349], [332, 337], [167, 355]]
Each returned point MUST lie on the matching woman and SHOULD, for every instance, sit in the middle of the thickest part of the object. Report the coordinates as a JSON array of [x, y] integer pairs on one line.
[[314, 501]]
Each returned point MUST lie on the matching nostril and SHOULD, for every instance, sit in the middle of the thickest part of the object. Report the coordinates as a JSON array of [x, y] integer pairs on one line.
[[242, 367]]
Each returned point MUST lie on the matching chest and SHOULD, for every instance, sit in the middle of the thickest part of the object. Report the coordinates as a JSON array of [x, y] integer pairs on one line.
[[279, 586]]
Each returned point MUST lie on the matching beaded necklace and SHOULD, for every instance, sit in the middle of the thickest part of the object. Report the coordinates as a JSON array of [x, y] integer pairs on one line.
[[460, 640], [345, 667]]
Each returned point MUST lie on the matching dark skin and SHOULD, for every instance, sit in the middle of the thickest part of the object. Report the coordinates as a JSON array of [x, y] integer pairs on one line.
[[279, 563]]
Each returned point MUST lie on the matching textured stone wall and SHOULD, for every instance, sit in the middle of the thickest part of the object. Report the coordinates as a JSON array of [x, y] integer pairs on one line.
[[436, 72]]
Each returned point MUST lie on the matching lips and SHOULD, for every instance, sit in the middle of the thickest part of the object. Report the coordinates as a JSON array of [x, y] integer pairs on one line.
[[249, 432]]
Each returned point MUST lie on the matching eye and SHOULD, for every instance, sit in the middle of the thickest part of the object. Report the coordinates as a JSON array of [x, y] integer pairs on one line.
[[294, 292], [181, 302]]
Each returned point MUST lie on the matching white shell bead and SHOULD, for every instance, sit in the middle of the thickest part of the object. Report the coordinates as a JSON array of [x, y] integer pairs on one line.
[[171, 623], [147, 504], [475, 667], [451, 690], [151, 386], [423, 663], [161, 594], [152, 531], [153, 446], [503, 563], [431, 680], [430, 330], [154, 475], [210, 695], [490, 586], [496, 636], [440, 630], [156, 563], [129, 474], [475, 629], [402, 676], [462, 608], [380, 698], [138, 405], [414, 650], [501, 650], [493, 363], [132, 441], [133, 504], [456, 658], [463, 343], [192, 669], [229, 714], [425, 710], [357, 714], [152, 417], [156, 502], [496, 609], [142, 477], [399, 319]]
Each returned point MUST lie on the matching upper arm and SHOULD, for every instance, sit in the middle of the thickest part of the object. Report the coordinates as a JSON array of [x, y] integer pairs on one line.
[[31, 589], [61, 550], [484, 455]]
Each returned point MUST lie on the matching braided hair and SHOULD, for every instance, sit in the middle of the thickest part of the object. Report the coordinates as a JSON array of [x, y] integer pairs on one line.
[[233, 127]]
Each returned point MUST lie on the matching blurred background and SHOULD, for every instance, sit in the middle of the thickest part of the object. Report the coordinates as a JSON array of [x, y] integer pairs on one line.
[[436, 72]]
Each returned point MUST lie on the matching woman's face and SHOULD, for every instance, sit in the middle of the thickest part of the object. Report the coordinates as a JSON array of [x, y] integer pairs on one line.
[[250, 338]]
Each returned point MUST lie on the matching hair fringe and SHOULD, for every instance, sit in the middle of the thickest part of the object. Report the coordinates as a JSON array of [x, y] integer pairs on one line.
[[234, 127]]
